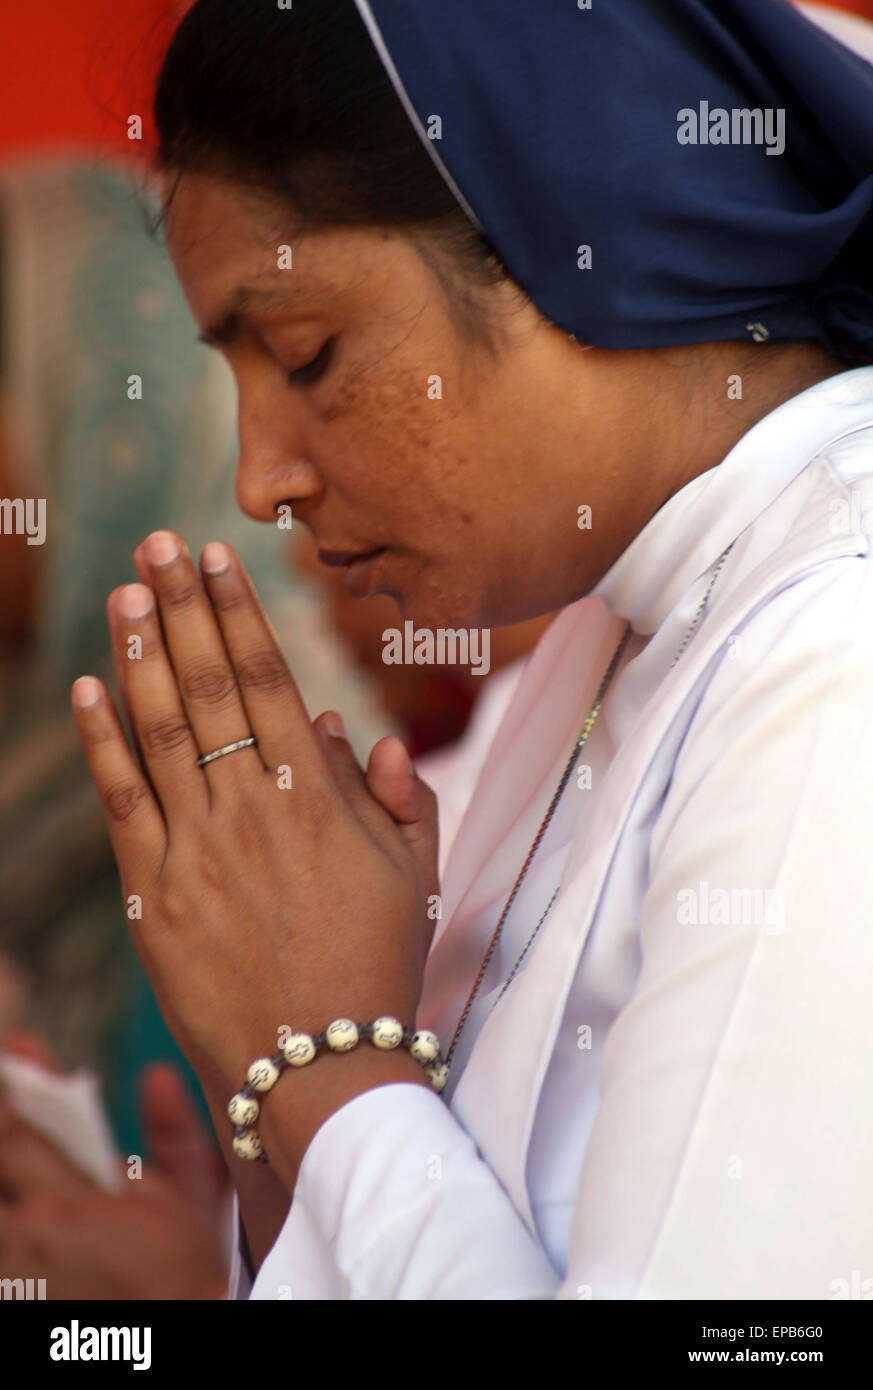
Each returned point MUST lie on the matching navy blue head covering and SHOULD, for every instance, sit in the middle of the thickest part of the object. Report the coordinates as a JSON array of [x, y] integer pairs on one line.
[[562, 127]]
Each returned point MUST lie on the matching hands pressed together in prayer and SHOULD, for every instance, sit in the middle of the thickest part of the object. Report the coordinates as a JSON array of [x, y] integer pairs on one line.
[[280, 885]]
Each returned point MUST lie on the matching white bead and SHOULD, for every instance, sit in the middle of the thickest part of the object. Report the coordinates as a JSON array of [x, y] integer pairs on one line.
[[425, 1046], [299, 1049], [341, 1035], [247, 1145], [439, 1075], [242, 1109], [262, 1074], [387, 1032]]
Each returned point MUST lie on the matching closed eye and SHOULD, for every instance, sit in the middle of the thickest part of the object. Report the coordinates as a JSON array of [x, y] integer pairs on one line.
[[314, 369]]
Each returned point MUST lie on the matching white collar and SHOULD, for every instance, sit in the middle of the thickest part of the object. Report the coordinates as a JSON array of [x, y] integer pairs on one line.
[[688, 533]]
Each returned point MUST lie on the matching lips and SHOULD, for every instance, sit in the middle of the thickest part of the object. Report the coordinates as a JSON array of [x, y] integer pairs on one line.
[[337, 559], [359, 574]]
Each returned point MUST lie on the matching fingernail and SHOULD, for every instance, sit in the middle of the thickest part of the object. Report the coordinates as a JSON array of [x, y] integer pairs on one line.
[[161, 547], [135, 600], [404, 753], [215, 558], [334, 724], [85, 692]]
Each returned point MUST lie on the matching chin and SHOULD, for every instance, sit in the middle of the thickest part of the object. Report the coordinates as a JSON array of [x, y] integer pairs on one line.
[[431, 613], [431, 600]]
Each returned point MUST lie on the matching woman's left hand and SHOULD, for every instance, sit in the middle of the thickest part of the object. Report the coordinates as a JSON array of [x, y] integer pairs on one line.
[[279, 885]]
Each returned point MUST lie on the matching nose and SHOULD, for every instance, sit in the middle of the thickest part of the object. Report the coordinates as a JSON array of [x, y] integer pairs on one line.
[[272, 467]]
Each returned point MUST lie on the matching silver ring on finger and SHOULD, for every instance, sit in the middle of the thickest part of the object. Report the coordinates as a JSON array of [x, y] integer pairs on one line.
[[250, 742]]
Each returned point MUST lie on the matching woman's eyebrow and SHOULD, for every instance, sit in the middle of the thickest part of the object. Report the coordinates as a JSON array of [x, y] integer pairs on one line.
[[222, 333], [229, 322]]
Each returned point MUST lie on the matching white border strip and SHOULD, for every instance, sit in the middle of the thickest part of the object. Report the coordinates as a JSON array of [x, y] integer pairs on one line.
[[849, 28], [379, 44]]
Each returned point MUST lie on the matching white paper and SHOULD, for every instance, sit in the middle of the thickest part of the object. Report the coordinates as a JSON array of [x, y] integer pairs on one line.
[[68, 1111]]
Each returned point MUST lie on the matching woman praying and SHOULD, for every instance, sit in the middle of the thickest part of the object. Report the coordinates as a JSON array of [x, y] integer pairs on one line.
[[506, 344]]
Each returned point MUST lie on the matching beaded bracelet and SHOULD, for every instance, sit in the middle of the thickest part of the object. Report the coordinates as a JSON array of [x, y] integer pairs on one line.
[[301, 1048]]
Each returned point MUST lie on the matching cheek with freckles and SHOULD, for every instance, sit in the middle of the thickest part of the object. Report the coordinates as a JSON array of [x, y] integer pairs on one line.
[[410, 464], [444, 483]]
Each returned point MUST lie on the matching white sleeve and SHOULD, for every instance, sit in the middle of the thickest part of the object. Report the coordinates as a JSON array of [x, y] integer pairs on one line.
[[732, 1152], [394, 1202]]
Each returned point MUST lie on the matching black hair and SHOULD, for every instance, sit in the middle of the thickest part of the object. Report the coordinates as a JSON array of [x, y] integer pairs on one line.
[[297, 103]]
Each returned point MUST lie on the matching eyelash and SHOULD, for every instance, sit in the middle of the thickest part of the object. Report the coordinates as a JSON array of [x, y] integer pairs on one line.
[[313, 370]]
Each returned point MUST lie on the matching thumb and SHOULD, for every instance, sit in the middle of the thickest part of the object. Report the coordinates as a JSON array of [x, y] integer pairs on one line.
[[393, 781], [179, 1144]]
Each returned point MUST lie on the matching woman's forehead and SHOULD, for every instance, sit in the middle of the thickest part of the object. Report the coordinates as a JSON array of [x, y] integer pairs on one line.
[[209, 215], [237, 258]]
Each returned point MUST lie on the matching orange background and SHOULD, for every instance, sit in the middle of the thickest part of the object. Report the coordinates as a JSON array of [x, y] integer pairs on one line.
[[73, 70]]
